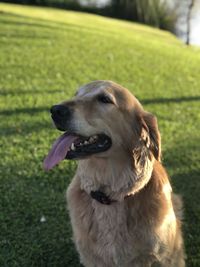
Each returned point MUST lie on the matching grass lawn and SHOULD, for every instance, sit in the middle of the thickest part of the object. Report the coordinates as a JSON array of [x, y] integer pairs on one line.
[[45, 54]]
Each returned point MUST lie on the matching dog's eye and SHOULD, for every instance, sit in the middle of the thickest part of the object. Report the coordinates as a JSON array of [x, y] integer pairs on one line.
[[105, 99]]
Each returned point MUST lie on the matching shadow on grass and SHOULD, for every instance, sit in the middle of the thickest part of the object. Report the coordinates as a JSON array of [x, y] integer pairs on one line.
[[30, 111], [18, 91], [19, 23], [25, 128], [170, 100], [188, 185], [52, 24], [182, 161], [26, 240], [44, 23], [20, 127]]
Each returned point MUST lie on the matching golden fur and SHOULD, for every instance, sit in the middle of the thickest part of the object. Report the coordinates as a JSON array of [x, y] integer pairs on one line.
[[142, 228]]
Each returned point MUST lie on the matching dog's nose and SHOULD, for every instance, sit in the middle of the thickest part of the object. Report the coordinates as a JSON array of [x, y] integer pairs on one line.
[[59, 111]]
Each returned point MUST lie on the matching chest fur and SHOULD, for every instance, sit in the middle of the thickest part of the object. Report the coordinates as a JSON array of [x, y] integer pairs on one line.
[[109, 229]]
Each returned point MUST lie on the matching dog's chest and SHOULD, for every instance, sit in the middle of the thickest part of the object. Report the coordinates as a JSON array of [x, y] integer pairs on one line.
[[113, 237]]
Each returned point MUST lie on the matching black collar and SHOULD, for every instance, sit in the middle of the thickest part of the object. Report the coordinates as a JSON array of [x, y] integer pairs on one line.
[[101, 197]]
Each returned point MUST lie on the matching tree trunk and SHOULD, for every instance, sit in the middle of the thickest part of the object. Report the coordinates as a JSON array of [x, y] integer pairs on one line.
[[188, 21]]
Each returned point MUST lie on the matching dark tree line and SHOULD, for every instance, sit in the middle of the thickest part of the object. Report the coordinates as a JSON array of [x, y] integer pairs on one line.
[[157, 13], [56, 3], [152, 12], [189, 14]]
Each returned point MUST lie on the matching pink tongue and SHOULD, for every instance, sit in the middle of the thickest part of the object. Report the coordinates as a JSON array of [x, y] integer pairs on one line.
[[58, 151]]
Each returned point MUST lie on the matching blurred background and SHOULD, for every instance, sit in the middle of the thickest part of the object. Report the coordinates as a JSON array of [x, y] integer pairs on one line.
[[181, 17], [50, 48]]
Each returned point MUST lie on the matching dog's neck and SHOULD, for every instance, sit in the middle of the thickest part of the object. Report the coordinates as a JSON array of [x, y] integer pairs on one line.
[[116, 178]]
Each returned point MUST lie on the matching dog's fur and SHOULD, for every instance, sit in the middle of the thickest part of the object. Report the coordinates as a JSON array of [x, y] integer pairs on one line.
[[142, 227]]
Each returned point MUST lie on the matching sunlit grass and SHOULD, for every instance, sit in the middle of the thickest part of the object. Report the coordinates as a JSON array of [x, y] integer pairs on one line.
[[45, 54]]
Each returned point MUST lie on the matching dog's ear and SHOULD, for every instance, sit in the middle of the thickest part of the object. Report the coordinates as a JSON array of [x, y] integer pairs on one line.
[[150, 134], [147, 145]]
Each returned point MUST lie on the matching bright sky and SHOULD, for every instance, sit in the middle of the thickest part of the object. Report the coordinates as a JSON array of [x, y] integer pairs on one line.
[[195, 24], [98, 2]]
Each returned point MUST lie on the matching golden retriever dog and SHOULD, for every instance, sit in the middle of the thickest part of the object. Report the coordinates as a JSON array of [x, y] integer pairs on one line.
[[122, 209]]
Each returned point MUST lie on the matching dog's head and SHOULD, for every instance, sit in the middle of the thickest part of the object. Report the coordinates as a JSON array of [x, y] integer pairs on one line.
[[104, 120]]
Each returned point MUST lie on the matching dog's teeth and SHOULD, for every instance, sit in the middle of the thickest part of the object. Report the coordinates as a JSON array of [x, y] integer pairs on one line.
[[73, 147], [91, 140]]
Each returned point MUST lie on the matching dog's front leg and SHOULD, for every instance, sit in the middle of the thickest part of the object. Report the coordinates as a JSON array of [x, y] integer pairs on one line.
[[83, 225], [145, 261]]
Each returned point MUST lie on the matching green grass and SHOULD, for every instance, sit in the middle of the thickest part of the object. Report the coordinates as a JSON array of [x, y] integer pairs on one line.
[[45, 54]]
